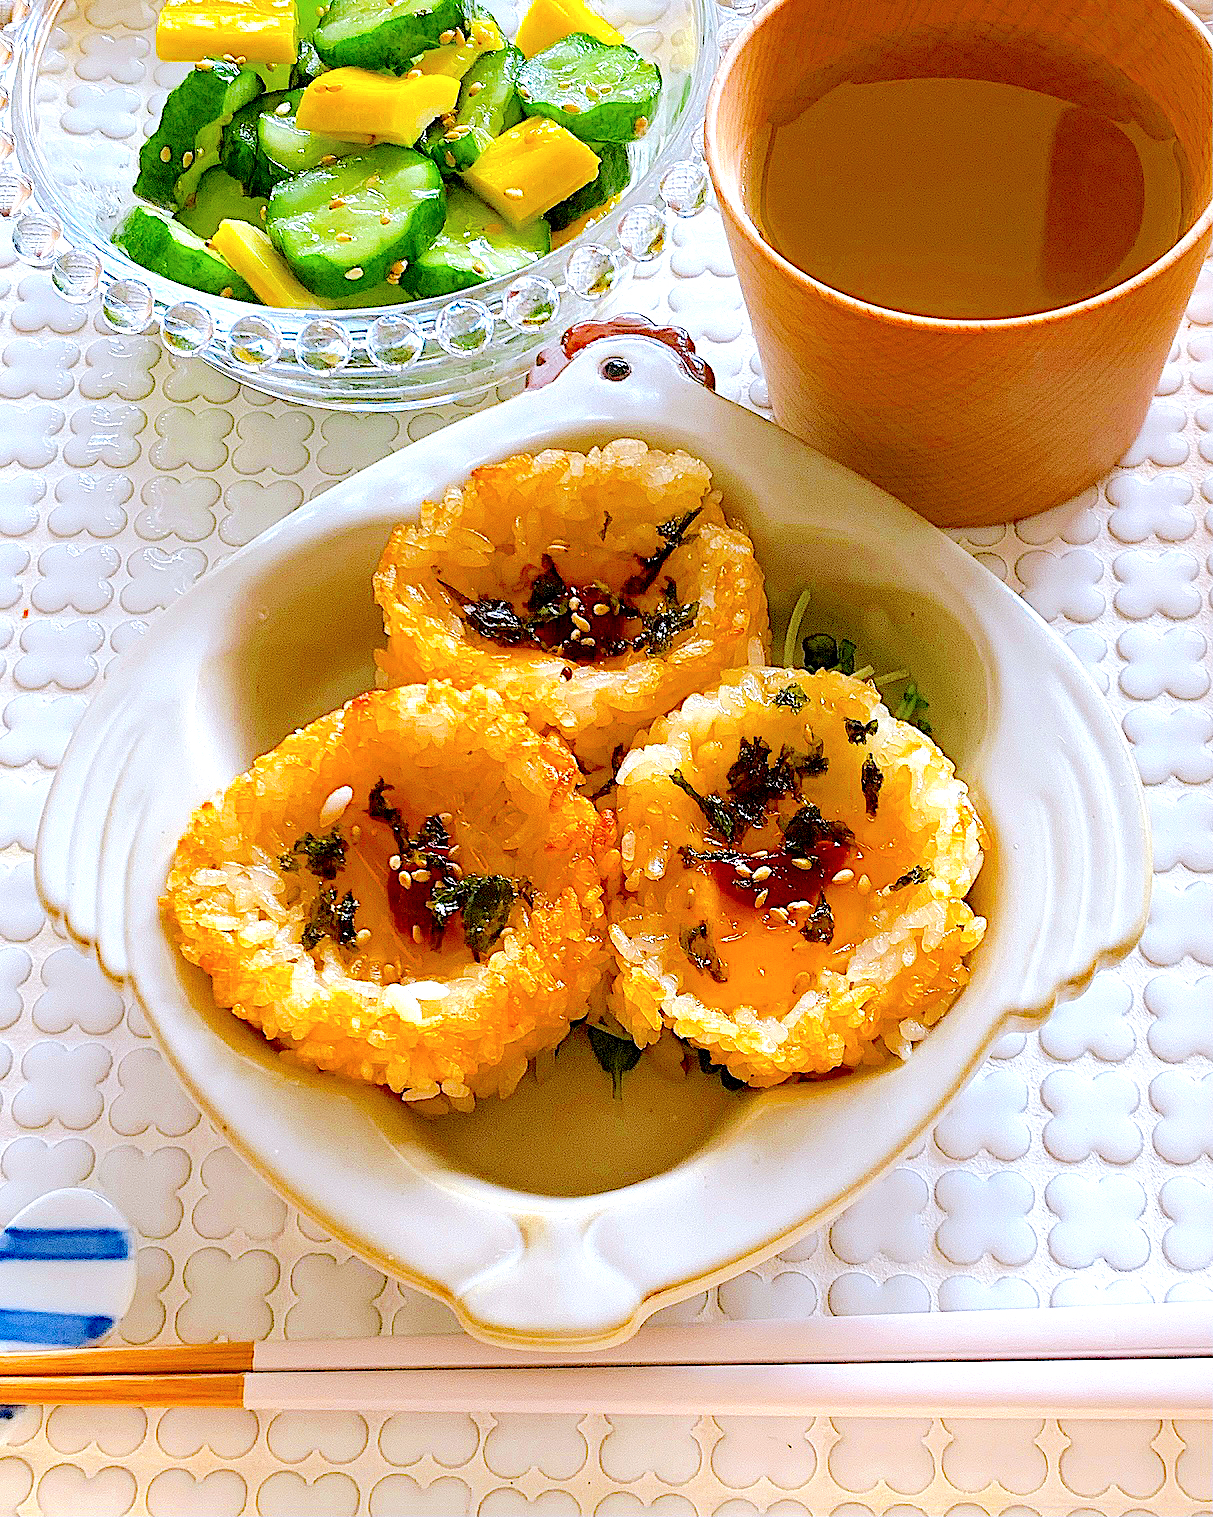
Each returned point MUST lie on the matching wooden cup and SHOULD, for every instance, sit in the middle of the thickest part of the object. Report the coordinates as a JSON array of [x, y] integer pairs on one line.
[[969, 422]]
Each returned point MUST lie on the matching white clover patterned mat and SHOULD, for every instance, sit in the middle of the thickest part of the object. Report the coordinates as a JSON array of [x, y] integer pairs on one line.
[[1076, 1168]]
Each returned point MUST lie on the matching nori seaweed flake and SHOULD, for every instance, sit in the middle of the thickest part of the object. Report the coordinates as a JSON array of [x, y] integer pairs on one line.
[[549, 593], [754, 780], [673, 534], [859, 732], [664, 624], [332, 918], [484, 900], [870, 780], [819, 927], [723, 817], [807, 828], [486, 909], [587, 622], [497, 620], [696, 943], [324, 854]]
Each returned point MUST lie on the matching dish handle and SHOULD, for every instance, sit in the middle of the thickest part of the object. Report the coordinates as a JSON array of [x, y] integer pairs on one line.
[[109, 783], [552, 360], [1079, 836], [555, 1272]]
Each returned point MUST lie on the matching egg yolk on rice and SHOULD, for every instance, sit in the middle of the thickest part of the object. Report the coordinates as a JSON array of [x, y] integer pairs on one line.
[[407, 891], [795, 867], [594, 591]]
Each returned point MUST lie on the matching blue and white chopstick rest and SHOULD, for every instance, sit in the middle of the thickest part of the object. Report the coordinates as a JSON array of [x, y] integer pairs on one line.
[[67, 1271]]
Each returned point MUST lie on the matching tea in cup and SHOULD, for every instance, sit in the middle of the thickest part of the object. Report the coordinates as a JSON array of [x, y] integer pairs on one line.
[[966, 237]]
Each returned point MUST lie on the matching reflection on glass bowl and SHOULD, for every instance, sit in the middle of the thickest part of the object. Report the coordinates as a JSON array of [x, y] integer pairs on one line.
[[80, 90]]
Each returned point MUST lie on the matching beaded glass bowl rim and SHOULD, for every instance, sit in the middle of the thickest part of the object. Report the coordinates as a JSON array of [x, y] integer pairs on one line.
[[448, 347], [1067, 876]]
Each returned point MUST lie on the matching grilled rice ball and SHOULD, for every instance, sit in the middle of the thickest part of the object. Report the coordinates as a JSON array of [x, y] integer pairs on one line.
[[796, 862], [406, 891], [595, 591]]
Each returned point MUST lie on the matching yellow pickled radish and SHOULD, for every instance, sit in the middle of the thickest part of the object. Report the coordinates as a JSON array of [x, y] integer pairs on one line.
[[259, 263], [455, 58], [252, 31], [354, 102], [547, 21], [529, 169]]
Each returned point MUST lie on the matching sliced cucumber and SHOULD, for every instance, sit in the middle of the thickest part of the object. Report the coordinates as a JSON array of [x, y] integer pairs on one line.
[[186, 143], [455, 58], [310, 13], [220, 198], [474, 245], [488, 105], [386, 38], [274, 76], [262, 144], [166, 247], [599, 91], [286, 149], [342, 227], [382, 295], [613, 174], [308, 65], [240, 155]]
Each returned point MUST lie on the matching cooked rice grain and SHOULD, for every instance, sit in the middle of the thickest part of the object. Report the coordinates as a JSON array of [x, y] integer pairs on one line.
[[464, 1029], [593, 513], [908, 965]]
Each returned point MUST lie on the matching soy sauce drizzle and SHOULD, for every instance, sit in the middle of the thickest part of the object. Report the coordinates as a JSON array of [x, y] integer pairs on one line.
[[778, 880], [590, 621], [427, 888], [791, 878]]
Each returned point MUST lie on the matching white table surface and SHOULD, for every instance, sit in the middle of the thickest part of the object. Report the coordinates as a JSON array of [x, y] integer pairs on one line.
[[1076, 1168]]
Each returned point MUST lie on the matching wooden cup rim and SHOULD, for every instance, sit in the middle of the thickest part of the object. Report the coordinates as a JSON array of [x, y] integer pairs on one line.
[[730, 200]]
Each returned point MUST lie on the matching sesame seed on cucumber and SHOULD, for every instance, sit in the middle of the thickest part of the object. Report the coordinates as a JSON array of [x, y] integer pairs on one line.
[[344, 226]]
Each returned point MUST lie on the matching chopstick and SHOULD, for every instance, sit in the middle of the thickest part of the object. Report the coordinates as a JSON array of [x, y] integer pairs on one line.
[[1175, 1330], [1119, 1388], [1156, 1361]]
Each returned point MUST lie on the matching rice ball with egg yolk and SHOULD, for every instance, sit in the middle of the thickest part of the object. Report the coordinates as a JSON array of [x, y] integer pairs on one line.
[[408, 891], [795, 867], [593, 590]]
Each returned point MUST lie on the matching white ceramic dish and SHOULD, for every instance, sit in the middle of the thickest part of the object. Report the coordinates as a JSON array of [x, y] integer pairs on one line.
[[560, 1217]]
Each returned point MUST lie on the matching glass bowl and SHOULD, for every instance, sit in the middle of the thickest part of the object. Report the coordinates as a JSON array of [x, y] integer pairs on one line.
[[81, 88]]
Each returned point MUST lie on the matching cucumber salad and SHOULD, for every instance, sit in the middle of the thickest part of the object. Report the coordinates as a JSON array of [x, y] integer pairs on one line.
[[368, 152]]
